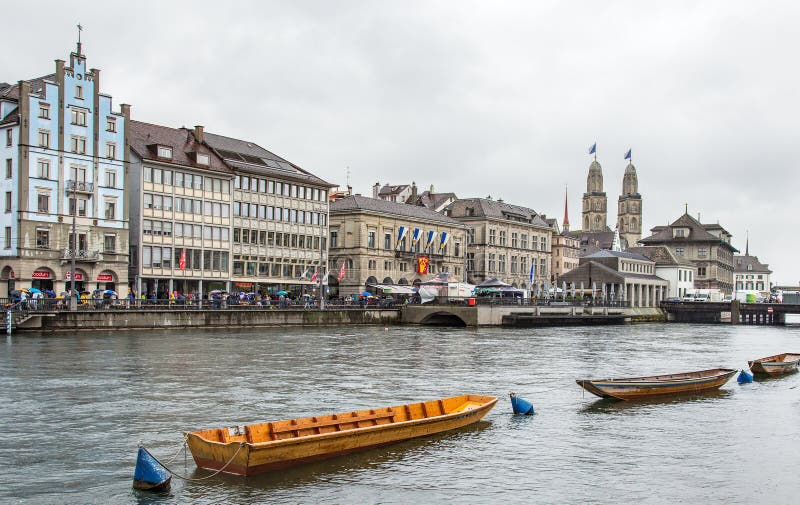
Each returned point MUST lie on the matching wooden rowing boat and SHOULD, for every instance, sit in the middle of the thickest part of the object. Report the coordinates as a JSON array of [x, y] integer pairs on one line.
[[635, 388], [775, 365], [257, 448]]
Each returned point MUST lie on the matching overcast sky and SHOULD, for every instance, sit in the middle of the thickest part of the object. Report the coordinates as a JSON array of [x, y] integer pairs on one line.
[[490, 98]]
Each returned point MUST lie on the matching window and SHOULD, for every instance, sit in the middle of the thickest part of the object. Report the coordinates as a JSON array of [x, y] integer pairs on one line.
[[492, 237], [111, 124], [110, 243], [372, 265], [334, 238], [43, 169], [42, 239], [164, 152], [44, 138], [492, 262], [680, 232], [8, 168], [110, 210], [544, 243], [701, 271], [371, 239], [9, 137], [203, 159], [43, 203], [470, 262], [111, 179], [111, 150], [78, 144], [457, 249], [79, 91], [81, 206], [702, 252], [679, 251], [514, 240], [8, 238], [501, 263], [387, 241], [8, 201], [502, 238], [44, 111], [79, 117], [514, 264]]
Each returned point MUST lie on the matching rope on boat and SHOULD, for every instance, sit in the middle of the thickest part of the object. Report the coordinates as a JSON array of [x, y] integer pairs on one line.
[[181, 449], [183, 477]]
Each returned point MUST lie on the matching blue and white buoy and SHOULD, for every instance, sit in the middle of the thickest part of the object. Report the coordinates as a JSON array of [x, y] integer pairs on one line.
[[520, 405], [744, 377], [149, 474]]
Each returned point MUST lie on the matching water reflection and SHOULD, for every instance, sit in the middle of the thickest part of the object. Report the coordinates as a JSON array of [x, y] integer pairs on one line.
[[611, 405]]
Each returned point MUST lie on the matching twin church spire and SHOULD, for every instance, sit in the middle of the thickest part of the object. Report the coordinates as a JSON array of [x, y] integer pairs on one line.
[[629, 210]]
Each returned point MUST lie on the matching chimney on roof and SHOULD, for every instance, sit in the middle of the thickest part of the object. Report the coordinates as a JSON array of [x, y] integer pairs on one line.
[[198, 133], [376, 189], [431, 190], [413, 189]]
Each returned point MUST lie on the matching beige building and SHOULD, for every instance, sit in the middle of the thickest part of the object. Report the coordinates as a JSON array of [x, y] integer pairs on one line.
[[383, 242], [180, 212], [504, 241], [566, 255], [750, 274], [707, 246], [280, 219]]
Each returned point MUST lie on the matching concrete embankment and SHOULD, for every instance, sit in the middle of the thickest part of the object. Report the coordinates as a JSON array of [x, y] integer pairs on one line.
[[230, 318]]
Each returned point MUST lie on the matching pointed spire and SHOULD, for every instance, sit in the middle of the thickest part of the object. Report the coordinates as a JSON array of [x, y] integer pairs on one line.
[[80, 29], [747, 245], [566, 211]]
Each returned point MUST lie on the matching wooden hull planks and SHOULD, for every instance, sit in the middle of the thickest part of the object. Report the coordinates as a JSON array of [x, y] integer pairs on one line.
[[276, 445], [775, 365], [636, 388]]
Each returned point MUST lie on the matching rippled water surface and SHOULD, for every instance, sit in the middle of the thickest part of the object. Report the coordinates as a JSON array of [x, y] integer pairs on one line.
[[75, 406]]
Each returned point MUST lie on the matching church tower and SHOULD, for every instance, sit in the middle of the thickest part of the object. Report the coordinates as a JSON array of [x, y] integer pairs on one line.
[[594, 200], [629, 220]]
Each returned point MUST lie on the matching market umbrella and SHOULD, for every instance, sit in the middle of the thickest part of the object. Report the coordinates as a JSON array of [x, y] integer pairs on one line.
[[35, 290], [282, 292]]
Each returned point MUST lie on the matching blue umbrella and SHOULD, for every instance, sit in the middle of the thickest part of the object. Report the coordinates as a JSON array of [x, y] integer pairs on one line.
[[34, 290], [50, 292], [366, 293], [284, 293], [110, 292]]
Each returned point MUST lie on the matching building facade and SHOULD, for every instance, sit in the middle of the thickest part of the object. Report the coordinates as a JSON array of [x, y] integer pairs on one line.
[[65, 197], [504, 241], [180, 213], [679, 273], [629, 211], [618, 276], [378, 242], [751, 275], [707, 246], [280, 219]]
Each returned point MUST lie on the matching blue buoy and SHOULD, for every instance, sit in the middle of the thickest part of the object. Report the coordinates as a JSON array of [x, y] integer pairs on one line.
[[149, 474], [520, 405], [744, 377]]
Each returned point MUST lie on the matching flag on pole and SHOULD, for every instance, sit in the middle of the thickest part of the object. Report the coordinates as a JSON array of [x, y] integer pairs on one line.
[[314, 277], [429, 242], [593, 149], [416, 236], [401, 234], [341, 271], [530, 275], [182, 261], [444, 239], [628, 155]]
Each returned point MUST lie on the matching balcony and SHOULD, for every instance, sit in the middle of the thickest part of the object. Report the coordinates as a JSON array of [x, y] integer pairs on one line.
[[80, 186], [81, 255], [411, 254]]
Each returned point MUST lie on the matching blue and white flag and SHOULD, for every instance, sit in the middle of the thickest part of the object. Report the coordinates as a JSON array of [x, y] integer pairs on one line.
[[444, 239], [530, 275], [401, 234], [628, 155], [593, 149], [431, 236], [416, 236]]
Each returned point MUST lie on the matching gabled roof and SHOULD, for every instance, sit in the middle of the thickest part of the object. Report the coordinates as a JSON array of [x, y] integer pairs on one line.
[[145, 138], [698, 232], [605, 253], [598, 239], [11, 92], [363, 203], [251, 157], [740, 264], [488, 208], [662, 255], [431, 200], [392, 190]]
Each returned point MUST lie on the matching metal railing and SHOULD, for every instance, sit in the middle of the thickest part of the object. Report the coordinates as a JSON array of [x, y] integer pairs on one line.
[[82, 186], [81, 254]]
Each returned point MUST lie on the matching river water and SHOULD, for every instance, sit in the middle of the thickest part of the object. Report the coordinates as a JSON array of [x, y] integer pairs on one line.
[[75, 406]]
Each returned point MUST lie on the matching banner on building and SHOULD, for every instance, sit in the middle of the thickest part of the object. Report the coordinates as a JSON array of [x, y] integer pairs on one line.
[[182, 261], [422, 264]]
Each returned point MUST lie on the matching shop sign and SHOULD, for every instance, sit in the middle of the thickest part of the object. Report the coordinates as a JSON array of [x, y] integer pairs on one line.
[[41, 274], [78, 276], [243, 284], [102, 277]]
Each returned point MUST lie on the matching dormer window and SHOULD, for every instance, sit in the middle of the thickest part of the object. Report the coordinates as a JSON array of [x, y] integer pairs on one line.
[[164, 152], [680, 232], [203, 159], [749, 267]]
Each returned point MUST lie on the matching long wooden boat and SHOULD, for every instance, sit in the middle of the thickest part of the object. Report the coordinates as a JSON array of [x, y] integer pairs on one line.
[[775, 365], [635, 388], [257, 448]]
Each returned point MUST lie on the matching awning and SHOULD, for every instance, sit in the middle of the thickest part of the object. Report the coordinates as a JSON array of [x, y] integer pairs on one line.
[[393, 289]]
